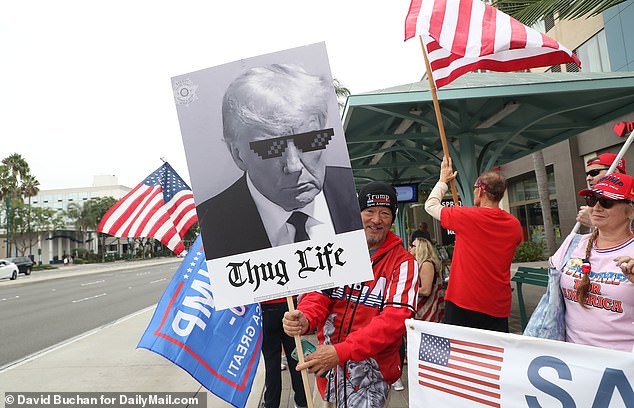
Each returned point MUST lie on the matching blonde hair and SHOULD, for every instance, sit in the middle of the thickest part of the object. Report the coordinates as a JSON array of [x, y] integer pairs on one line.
[[584, 285], [425, 251]]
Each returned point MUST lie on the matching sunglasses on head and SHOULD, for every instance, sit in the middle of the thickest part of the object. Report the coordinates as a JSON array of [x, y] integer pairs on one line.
[[306, 142], [606, 203], [479, 184], [595, 172]]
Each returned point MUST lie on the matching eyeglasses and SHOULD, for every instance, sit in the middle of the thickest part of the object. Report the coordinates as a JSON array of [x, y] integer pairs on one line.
[[595, 172], [306, 142], [606, 203]]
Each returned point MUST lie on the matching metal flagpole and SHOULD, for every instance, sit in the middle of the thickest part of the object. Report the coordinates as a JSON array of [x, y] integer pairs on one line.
[[612, 167], [441, 126]]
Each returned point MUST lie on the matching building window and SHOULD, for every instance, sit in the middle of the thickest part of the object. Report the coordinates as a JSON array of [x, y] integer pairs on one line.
[[594, 54], [526, 207]]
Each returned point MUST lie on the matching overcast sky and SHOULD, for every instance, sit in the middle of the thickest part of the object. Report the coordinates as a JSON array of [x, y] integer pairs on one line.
[[86, 84]]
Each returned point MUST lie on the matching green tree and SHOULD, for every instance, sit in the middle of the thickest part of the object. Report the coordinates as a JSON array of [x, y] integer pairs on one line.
[[30, 187], [81, 218], [531, 11], [18, 169], [28, 222], [94, 210], [341, 91]]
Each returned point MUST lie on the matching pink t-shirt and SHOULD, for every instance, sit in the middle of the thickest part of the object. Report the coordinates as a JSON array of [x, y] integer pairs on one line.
[[608, 321]]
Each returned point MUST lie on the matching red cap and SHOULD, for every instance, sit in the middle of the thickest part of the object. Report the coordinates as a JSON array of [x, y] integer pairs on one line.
[[615, 186], [607, 159]]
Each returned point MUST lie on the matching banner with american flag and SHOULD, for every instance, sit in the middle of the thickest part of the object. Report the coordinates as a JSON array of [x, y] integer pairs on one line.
[[160, 207], [464, 35], [453, 366]]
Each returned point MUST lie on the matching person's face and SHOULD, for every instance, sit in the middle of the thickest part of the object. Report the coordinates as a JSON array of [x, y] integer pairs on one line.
[[412, 249], [292, 179], [376, 224], [594, 173], [613, 218]]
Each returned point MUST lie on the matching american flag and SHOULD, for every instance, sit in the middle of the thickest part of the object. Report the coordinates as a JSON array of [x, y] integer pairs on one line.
[[160, 207], [463, 369], [464, 35]]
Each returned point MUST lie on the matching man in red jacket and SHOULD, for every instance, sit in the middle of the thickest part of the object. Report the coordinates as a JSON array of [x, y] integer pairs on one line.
[[361, 326]]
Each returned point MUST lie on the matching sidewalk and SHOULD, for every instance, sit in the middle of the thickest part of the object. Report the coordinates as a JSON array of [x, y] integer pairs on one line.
[[106, 359]]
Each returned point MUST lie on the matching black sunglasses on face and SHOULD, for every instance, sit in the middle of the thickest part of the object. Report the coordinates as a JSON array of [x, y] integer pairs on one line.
[[595, 172], [606, 203], [306, 142]]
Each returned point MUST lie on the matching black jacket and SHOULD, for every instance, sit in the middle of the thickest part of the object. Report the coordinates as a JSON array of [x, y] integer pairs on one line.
[[230, 223]]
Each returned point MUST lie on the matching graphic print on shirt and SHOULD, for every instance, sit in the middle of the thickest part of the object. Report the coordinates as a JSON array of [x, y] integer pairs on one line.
[[362, 386], [595, 297], [361, 293]]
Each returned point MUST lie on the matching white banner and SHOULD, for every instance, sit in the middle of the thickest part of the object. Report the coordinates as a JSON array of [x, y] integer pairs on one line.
[[452, 366], [289, 270]]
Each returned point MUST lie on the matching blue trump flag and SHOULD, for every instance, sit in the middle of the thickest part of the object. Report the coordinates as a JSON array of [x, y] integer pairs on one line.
[[220, 349]]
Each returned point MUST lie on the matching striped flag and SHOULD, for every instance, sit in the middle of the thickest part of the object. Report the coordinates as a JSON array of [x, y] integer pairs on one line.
[[463, 369], [464, 35], [161, 207]]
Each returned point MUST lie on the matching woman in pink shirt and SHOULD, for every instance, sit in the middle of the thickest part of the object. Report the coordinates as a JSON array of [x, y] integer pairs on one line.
[[598, 294]]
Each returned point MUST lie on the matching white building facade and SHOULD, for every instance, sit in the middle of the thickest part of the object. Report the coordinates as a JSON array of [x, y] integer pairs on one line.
[[53, 247]]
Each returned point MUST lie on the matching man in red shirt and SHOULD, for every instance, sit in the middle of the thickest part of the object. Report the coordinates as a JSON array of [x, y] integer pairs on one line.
[[360, 327], [479, 292]]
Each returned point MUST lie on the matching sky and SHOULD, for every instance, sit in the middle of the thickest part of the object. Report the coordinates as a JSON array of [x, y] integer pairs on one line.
[[86, 84]]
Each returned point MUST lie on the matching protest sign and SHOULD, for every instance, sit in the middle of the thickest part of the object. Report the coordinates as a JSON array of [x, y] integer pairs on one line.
[[271, 177], [456, 366]]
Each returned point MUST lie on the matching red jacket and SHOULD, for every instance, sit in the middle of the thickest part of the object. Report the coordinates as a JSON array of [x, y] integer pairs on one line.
[[366, 320]]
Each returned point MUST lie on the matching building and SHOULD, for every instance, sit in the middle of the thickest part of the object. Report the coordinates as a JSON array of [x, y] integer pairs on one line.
[[603, 44], [52, 247]]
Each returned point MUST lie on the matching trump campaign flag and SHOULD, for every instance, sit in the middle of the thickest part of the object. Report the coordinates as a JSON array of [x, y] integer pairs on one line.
[[220, 349], [464, 35], [161, 207]]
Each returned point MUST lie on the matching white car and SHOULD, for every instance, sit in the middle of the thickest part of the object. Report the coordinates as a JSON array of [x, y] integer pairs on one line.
[[8, 270]]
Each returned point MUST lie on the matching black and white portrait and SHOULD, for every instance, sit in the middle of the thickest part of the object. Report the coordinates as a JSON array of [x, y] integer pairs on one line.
[[267, 155]]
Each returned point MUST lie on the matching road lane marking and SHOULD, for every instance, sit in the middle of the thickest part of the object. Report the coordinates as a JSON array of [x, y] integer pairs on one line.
[[91, 297], [92, 283], [159, 280], [11, 298]]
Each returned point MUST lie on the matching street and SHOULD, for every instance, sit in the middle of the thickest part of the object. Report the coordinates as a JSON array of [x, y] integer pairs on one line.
[[37, 314]]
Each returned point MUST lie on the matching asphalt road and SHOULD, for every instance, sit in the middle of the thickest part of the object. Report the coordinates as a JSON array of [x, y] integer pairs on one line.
[[35, 315]]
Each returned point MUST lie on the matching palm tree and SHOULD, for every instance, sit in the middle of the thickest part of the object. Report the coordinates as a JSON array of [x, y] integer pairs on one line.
[[341, 91], [18, 169], [30, 187], [531, 11], [7, 182], [17, 165]]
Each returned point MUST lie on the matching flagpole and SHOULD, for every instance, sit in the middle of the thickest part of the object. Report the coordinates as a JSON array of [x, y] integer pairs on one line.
[[619, 156], [441, 126], [300, 356]]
